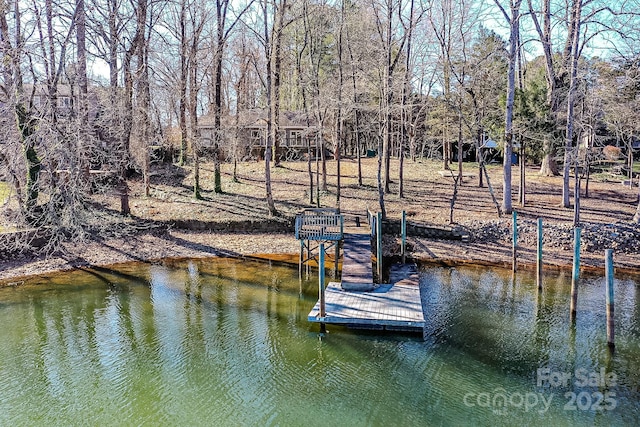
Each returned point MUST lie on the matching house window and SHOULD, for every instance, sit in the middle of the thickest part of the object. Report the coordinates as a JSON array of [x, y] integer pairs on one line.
[[64, 101], [295, 138], [256, 137]]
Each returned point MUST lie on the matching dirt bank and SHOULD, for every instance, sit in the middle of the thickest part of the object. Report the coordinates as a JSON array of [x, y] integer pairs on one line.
[[196, 244]]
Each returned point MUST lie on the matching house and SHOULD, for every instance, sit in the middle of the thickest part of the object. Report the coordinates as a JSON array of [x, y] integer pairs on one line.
[[246, 135], [66, 99]]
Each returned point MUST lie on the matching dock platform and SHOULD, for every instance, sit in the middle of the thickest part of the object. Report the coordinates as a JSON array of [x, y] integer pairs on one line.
[[389, 306], [357, 302]]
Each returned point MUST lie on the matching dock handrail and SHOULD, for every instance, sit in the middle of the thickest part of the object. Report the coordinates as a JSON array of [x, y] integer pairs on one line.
[[320, 225], [371, 219]]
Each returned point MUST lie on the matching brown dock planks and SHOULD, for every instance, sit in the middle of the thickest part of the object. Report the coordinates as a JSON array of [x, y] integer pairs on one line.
[[388, 306], [357, 273], [396, 305]]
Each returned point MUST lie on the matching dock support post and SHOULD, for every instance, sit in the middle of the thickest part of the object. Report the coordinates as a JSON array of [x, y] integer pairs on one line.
[[308, 258], [608, 255], [301, 259], [379, 246], [539, 256], [575, 277], [403, 231], [321, 280], [515, 241], [337, 259]]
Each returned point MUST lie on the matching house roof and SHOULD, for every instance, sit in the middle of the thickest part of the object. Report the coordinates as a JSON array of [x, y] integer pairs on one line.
[[257, 118], [489, 143]]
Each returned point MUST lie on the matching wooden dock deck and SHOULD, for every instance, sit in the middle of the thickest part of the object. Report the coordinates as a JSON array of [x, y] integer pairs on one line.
[[359, 303], [357, 273], [390, 306]]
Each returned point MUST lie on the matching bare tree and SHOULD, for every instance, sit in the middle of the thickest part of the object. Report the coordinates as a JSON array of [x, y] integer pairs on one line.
[[513, 18], [198, 19], [269, 94], [84, 133], [406, 92], [184, 73], [392, 48]]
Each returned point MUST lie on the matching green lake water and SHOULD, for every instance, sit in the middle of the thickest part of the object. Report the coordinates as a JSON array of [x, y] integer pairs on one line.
[[226, 342]]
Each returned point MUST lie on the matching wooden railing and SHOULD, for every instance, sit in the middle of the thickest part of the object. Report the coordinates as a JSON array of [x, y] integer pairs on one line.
[[372, 217], [319, 225]]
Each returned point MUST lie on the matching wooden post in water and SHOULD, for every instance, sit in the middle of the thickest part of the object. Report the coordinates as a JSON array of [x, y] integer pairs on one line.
[[308, 257], [323, 309], [575, 277], [379, 246], [539, 256], [403, 231], [337, 258], [301, 258], [515, 241], [608, 255]]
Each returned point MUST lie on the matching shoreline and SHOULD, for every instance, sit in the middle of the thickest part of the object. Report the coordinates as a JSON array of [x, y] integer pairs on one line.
[[177, 244]]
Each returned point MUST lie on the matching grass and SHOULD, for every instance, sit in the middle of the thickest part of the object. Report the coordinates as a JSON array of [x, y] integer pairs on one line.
[[427, 193], [4, 192]]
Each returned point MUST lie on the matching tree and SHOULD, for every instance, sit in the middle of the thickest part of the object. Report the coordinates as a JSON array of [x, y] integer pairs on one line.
[[223, 29], [198, 19], [555, 80], [391, 48], [115, 125], [513, 18], [269, 94], [406, 91]]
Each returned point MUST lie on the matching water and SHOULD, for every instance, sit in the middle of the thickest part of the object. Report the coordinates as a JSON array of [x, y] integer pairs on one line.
[[226, 342]]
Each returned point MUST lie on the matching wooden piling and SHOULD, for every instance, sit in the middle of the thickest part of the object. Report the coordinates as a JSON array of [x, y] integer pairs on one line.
[[323, 312], [337, 259], [379, 246], [575, 277], [301, 259], [515, 241], [308, 258], [539, 256], [403, 230], [608, 255]]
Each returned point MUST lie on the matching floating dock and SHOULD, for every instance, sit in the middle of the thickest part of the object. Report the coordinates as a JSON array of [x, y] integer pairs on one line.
[[359, 303], [390, 306]]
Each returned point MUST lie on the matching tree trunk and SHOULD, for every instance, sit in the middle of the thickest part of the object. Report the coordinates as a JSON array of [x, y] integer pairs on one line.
[[267, 152], [406, 111], [380, 186], [460, 143], [388, 97], [548, 167], [522, 194], [508, 143], [26, 127], [636, 217], [83, 107], [193, 112], [355, 111], [183, 83], [217, 105], [479, 156], [145, 94], [276, 59], [568, 146], [339, 122]]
